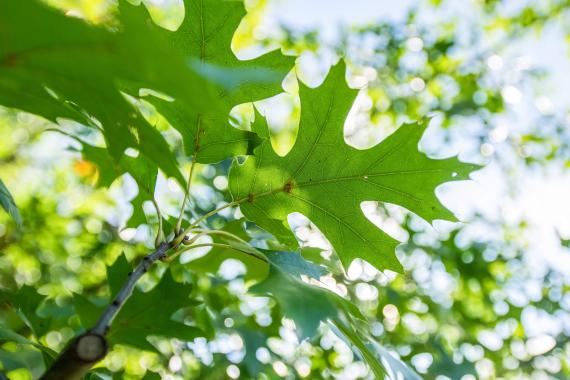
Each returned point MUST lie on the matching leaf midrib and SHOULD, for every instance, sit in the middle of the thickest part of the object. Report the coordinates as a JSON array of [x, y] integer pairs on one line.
[[336, 180]]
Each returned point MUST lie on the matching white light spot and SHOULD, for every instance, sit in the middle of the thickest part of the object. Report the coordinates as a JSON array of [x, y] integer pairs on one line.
[[544, 105], [280, 368], [511, 94], [127, 234], [231, 269], [233, 371], [417, 84], [358, 81], [479, 97], [131, 152], [366, 292], [491, 340], [415, 44], [499, 134], [540, 345], [221, 182], [303, 367], [487, 150], [74, 13], [263, 355], [175, 363], [354, 270], [53, 338], [390, 312], [422, 361], [495, 62], [370, 73], [235, 343]]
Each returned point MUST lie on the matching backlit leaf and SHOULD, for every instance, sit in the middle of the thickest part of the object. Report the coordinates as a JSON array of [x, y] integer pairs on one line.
[[8, 204], [326, 179]]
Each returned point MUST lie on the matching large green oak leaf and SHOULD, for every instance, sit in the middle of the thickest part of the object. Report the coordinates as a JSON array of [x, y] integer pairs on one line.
[[326, 179]]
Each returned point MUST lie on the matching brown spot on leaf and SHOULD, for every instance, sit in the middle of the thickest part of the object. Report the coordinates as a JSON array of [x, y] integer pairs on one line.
[[288, 187]]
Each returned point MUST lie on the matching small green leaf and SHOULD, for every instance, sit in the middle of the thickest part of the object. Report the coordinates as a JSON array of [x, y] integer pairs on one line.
[[348, 334], [88, 312], [305, 304], [139, 317], [381, 362], [138, 216], [308, 305], [395, 367], [11, 336], [332, 264], [118, 273], [293, 264], [26, 302], [9, 205]]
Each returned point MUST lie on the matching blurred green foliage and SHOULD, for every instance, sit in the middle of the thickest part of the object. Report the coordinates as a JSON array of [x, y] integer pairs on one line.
[[461, 310]]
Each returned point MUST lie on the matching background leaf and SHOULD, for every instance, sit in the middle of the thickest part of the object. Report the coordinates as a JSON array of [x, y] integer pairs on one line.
[[8, 204]]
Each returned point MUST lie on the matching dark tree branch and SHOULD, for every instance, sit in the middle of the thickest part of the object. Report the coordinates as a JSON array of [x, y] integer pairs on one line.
[[113, 309], [92, 346]]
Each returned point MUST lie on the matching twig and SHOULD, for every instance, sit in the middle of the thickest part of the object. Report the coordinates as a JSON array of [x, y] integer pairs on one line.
[[186, 196], [160, 233], [219, 245], [88, 348], [111, 312], [205, 232], [181, 235]]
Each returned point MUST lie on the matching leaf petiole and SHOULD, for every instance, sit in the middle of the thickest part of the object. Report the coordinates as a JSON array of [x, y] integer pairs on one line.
[[186, 196], [180, 237], [160, 233], [219, 245]]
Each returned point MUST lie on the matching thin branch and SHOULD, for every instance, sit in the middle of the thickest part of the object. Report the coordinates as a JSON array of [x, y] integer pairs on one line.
[[186, 196], [221, 232], [90, 347], [180, 237], [213, 212], [219, 245], [111, 312], [160, 233], [205, 232]]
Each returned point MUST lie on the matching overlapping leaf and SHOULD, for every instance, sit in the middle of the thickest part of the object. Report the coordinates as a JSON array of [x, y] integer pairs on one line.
[[309, 306], [325, 179], [58, 66], [26, 302], [8, 204], [48, 57], [205, 37]]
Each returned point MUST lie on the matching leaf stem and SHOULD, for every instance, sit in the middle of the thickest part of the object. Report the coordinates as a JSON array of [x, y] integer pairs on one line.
[[186, 196], [219, 245], [179, 237], [202, 232], [159, 234]]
